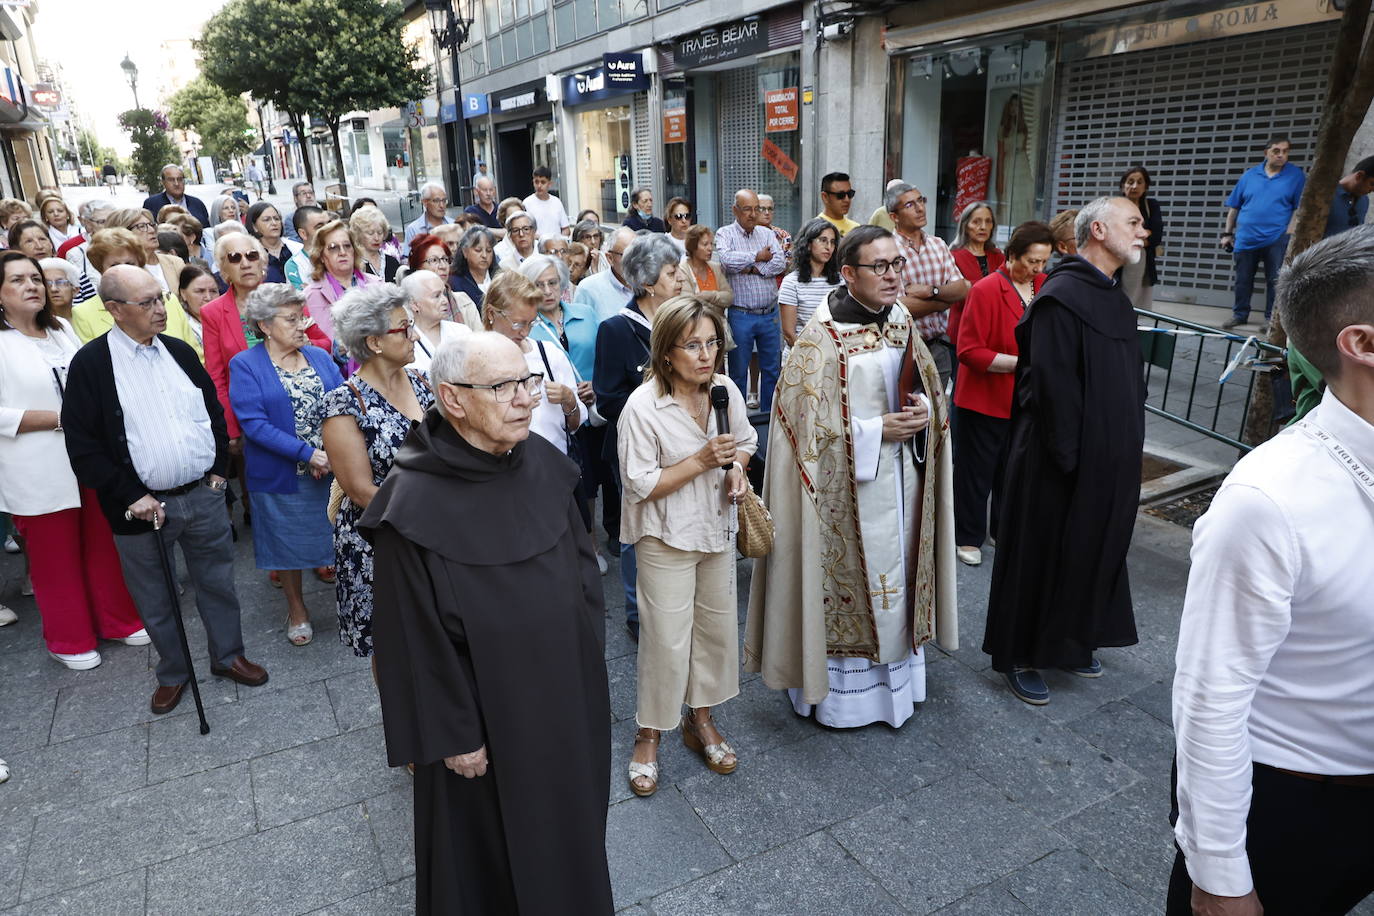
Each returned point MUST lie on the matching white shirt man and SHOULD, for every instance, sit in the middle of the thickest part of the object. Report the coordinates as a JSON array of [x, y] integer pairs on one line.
[[549, 216], [1275, 668]]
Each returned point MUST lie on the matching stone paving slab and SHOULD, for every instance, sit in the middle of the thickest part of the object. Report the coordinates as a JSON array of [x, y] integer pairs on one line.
[[978, 805]]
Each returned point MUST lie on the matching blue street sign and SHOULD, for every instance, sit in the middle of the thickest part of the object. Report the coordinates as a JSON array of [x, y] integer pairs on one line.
[[474, 105]]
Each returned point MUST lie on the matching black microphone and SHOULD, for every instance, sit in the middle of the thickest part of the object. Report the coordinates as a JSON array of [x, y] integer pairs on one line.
[[720, 400]]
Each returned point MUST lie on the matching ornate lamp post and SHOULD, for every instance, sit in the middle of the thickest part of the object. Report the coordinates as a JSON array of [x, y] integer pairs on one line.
[[131, 74], [451, 30]]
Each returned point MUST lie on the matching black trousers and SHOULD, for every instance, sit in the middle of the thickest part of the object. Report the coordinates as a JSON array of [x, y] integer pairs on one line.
[[1310, 846], [980, 455], [602, 476]]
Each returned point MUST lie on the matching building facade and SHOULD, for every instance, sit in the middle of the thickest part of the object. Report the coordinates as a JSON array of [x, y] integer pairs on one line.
[[27, 160]]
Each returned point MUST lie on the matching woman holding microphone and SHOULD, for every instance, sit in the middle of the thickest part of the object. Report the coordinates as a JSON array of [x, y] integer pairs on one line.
[[682, 471]]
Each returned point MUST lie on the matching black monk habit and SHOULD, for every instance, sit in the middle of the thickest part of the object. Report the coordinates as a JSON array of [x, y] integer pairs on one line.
[[1072, 485], [489, 629]]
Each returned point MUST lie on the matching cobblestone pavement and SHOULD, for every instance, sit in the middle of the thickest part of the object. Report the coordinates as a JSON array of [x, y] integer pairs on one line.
[[980, 804]]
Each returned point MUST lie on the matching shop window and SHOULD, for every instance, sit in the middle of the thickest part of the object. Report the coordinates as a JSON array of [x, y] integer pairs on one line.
[[564, 28], [779, 84], [604, 138], [677, 176]]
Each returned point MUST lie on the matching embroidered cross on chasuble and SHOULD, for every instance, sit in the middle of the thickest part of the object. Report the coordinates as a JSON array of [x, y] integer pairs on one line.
[[814, 412]]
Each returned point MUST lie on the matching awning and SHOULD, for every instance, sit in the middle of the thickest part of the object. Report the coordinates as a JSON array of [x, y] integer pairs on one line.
[[1008, 18]]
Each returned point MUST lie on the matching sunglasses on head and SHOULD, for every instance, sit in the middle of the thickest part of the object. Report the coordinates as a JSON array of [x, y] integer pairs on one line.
[[234, 257]]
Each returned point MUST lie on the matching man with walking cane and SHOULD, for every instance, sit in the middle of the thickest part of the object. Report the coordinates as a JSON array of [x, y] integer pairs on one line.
[[145, 430]]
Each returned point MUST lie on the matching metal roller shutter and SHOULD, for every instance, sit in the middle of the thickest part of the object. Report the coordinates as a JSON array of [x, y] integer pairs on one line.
[[1196, 117], [642, 156], [738, 107]]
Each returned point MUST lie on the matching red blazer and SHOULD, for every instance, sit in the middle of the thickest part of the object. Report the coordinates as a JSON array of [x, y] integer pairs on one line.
[[222, 337], [968, 266], [991, 311]]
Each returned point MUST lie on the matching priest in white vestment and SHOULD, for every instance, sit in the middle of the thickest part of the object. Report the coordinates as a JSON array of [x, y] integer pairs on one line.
[[858, 481]]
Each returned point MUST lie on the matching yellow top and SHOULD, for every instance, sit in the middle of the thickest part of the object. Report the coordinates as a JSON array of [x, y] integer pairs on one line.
[[882, 218], [90, 319], [843, 225]]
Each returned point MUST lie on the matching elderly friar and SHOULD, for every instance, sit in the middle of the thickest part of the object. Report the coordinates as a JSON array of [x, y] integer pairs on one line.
[[489, 639]]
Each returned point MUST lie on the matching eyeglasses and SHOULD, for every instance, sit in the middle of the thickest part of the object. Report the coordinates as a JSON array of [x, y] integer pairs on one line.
[[504, 392], [549, 286], [142, 303], [143, 226], [339, 247], [842, 195], [681, 216], [523, 230], [765, 209], [696, 347], [515, 325], [60, 283], [918, 202], [235, 257], [437, 259], [403, 329], [437, 200], [297, 320], [881, 267]]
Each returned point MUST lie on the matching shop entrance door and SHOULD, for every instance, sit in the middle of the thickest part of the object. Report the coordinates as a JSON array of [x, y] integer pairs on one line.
[[515, 163]]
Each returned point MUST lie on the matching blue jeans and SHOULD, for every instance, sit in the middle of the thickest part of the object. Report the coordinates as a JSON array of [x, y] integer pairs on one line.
[[629, 569], [1246, 262], [763, 332]]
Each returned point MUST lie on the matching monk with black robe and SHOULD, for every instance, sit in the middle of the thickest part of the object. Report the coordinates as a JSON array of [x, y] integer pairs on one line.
[[1072, 485], [489, 634]]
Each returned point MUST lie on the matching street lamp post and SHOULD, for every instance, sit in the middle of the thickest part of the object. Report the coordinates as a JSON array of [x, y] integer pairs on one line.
[[131, 74], [451, 30], [267, 153]]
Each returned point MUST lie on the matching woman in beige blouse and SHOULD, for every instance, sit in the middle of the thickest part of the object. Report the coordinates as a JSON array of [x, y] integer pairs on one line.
[[681, 476], [703, 277]]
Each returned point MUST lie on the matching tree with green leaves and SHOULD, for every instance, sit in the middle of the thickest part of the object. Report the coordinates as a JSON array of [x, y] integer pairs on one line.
[[314, 57], [219, 118], [153, 146]]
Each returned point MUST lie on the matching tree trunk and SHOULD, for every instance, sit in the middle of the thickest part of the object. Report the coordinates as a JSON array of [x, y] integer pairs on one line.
[[303, 139], [338, 158], [1349, 91]]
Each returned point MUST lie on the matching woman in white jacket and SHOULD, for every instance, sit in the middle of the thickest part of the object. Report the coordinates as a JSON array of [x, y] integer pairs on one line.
[[77, 581]]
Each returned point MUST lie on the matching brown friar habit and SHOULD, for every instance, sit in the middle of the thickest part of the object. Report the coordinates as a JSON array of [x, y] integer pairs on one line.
[[488, 627], [1072, 484]]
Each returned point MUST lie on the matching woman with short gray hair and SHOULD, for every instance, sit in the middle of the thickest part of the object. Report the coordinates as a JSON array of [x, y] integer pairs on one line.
[[645, 262], [367, 419], [432, 306], [277, 390], [519, 241]]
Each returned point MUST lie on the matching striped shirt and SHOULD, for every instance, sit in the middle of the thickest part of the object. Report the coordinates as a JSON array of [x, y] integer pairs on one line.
[[755, 290], [165, 421], [805, 296], [933, 265]]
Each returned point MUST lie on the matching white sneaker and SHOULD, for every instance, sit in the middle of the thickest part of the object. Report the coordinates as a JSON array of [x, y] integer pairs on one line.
[[11, 545], [137, 638], [752, 402], [7, 616], [82, 661], [969, 556], [601, 563]]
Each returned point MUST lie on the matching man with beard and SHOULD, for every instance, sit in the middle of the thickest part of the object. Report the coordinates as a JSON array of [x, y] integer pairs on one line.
[[489, 639], [858, 480], [1072, 484]]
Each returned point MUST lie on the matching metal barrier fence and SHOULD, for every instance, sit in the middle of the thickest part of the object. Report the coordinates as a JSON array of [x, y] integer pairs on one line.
[[1204, 378]]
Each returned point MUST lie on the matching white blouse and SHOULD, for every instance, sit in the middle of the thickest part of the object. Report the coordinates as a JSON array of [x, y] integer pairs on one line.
[[35, 474], [426, 348], [549, 420], [655, 432]]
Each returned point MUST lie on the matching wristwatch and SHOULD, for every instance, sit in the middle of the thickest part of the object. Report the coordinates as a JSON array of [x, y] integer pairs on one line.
[[935, 292]]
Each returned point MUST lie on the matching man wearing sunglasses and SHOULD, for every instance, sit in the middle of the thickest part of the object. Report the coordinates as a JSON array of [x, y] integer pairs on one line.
[[837, 196], [489, 640]]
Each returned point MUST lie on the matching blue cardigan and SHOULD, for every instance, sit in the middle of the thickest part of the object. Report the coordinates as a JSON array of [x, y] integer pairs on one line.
[[270, 446]]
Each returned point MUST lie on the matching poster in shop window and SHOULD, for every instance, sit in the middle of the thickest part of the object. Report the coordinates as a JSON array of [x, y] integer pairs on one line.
[[780, 110]]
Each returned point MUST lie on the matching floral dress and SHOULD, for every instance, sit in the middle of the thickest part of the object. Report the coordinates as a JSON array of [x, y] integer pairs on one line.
[[384, 428]]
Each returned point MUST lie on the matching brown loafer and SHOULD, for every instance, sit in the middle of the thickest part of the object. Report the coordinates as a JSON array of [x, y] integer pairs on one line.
[[166, 697], [243, 671]]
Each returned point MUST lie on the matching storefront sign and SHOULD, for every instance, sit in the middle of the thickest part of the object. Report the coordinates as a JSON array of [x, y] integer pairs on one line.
[[475, 104], [448, 114], [780, 161], [45, 96], [780, 110], [516, 102], [675, 124], [625, 72], [1224, 23], [726, 42]]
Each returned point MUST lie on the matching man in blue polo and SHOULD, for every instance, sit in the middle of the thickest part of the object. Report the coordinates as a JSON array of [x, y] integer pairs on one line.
[[434, 200], [1259, 218]]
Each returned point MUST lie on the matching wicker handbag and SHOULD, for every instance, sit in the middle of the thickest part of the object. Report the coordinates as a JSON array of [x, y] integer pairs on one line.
[[755, 536]]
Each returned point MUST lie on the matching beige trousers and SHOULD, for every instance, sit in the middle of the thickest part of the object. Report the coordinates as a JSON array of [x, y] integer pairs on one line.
[[688, 631]]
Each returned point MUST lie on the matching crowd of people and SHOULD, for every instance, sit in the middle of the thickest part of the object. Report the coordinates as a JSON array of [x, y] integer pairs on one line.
[[168, 375]]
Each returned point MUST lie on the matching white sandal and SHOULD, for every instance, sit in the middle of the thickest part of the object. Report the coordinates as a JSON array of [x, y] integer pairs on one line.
[[4, 771], [300, 634], [713, 754], [647, 771]]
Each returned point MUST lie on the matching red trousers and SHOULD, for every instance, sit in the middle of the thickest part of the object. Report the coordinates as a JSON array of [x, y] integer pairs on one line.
[[77, 581]]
